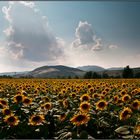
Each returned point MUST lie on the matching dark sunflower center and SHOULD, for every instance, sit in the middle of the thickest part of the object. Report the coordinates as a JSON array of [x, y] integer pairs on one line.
[[47, 99], [7, 112], [47, 106], [95, 96], [115, 99], [89, 86], [85, 106], [11, 119], [126, 98], [125, 113], [36, 119], [62, 115], [80, 118], [135, 104], [91, 90], [3, 102], [73, 95], [26, 101], [19, 98], [85, 98], [101, 104]]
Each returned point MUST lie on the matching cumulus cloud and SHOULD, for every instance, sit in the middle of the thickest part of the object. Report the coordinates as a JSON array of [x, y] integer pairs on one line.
[[112, 46], [28, 35], [86, 38]]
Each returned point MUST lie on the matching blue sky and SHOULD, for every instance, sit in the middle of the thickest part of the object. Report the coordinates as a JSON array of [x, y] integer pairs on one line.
[[69, 33]]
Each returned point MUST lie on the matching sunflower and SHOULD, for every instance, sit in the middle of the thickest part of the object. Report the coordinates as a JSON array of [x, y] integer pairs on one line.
[[91, 90], [47, 106], [36, 120], [101, 105], [95, 95], [126, 98], [27, 101], [136, 104], [80, 119], [3, 102], [73, 95], [18, 98], [65, 103], [104, 92], [85, 97], [89, 85], [46, 99], [125, 113], [123, 92], [6, 111], [11, 120], [116, 98], [85, 107], [102, 96], [62, 117]]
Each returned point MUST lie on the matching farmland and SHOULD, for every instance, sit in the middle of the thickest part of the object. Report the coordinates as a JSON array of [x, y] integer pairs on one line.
[[69, 109]]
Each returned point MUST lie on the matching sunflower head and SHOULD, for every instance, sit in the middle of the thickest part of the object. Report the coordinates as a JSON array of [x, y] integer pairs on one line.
[[91, 90], [46, 99], [123, 92], [101, 105], [18, 98], [3, 102], [47, 106], [104, 92], [27, 101], [136, 104], [65, 103], [116, 98], [73, 95], [125, 113], [85, 97], [6, 111], [11, 120], [36, 120], [126, 98], [95, 96], [80, 119], [62, 117], [84, 107]]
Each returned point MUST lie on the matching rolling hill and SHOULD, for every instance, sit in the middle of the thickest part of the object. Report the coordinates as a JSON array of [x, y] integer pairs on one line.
[[91, 68], [55, 72]]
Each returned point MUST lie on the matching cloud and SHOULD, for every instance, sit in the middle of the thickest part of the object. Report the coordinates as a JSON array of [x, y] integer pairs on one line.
[[28, 36], [86, 38], [112, 46]]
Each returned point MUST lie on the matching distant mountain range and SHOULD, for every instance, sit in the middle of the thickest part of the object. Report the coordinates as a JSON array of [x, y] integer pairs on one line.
[[60, 71], [97, 68], [13, 73]]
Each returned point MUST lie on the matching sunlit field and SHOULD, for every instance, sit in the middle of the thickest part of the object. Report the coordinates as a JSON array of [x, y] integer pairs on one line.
[[69, 109]]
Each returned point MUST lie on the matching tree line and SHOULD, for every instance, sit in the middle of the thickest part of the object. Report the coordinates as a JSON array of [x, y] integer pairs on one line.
[[127, 73]]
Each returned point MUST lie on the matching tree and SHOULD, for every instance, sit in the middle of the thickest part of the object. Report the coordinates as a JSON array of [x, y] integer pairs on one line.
[[88, 75], [137, 75], [95, 75], [127, 72], [105, 75]]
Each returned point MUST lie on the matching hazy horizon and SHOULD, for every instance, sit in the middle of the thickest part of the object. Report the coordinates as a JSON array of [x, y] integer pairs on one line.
[[33, 34]]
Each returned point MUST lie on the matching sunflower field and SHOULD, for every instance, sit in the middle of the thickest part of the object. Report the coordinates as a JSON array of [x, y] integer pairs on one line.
[[69, 109]]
